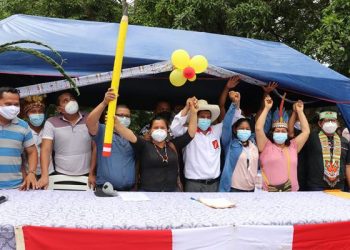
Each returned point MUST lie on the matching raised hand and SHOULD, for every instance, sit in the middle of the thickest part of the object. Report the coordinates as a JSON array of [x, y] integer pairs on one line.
[[268, 102], [189, 100], [270, 87], [233, 82], [235, 97], [109, 96], [299, 106], [193, 106]]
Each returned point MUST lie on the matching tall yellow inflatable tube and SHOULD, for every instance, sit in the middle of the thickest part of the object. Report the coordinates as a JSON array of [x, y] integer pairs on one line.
[[117, 68]]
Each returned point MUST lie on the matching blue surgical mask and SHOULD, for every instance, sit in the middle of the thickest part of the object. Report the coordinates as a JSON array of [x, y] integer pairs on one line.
[[243, 135], [280, 138], [204, 124], [36, 119]]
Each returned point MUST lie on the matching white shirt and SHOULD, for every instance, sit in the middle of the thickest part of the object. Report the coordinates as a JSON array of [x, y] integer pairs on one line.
[[202, 155], [37, 137], [71, 143]]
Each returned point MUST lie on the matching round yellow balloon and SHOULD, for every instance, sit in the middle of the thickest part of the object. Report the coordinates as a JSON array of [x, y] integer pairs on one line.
[[176, 78], [193, 78], [199, 63], [180, 58]]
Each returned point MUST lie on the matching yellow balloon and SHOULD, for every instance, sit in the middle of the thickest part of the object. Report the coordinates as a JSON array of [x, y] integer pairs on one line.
[[193, 78], [176, 78], [180, 58], [199, 63]]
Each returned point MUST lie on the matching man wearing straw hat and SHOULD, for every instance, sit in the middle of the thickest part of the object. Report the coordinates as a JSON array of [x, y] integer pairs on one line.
[[202, 154]]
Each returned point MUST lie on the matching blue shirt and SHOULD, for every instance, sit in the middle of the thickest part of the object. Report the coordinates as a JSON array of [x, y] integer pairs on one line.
[[14, 137], [119, 168]]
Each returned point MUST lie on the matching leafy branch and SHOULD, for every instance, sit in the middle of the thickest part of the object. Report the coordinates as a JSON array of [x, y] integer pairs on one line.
[[7, 47]]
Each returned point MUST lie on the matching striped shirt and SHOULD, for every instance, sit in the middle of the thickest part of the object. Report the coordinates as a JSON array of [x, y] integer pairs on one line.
[[14, 137]]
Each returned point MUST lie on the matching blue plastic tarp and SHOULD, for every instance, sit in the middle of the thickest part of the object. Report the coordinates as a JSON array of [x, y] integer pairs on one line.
[[89, 47]]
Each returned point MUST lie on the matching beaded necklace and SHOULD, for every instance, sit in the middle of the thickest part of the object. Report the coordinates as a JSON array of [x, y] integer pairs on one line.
[[165, 157]]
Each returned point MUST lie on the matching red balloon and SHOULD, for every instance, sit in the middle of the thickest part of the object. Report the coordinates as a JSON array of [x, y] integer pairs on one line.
[[189, 72]]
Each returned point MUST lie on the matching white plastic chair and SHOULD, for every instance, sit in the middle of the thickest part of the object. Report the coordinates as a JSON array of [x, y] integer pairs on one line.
[[81, 182]]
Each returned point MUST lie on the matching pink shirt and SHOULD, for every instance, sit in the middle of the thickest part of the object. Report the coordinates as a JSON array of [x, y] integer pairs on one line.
[[244, 176], [274, 163]]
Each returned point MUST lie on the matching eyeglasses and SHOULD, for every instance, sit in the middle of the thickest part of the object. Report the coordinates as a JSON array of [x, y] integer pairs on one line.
[[123, 115]]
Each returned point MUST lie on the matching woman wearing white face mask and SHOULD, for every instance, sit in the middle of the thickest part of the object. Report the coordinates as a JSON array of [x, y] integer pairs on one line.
[[279, 154], [159, 166], [241, 154]]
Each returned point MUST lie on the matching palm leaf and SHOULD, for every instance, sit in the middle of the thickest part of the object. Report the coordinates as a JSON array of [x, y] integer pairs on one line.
[[11, 47]]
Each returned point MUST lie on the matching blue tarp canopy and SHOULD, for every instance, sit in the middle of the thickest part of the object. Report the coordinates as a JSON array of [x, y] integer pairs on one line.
[[89, 47]]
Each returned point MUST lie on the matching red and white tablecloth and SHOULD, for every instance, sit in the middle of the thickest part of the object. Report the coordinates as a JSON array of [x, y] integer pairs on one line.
[[259, 221]]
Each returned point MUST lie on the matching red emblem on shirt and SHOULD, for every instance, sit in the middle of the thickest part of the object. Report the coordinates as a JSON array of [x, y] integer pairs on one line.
[[215, 144]]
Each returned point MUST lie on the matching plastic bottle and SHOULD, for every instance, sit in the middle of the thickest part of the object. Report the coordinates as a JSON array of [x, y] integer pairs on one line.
[[258, 182]]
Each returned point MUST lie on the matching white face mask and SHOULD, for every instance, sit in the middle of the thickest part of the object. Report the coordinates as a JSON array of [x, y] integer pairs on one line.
[[71, 107], [9, 112], [330, 127], [125, 121], [159, 135]]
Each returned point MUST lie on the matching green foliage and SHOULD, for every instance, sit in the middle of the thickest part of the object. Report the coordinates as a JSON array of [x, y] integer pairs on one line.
[[95, 10], [330, 43], [139, 118], [319, 28], [252, 19], [197, 15]]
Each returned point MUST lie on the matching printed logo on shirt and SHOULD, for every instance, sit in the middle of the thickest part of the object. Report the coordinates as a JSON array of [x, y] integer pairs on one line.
[[215, 144]]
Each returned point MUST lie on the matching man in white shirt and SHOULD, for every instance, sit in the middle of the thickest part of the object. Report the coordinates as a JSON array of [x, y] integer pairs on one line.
[[202, 154]]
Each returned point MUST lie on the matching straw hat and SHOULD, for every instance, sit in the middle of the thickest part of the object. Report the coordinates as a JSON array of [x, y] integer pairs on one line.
[[214, 109]]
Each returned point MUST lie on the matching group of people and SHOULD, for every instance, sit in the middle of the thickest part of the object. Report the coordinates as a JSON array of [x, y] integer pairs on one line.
[[202, 148]]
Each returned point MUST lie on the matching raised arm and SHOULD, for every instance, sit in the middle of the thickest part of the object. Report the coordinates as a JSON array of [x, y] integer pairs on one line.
[[230, 117], [267, 90], [305, 129], [291, 123], [261, 138], [192, 125], [177, 126], [231, 83], [124, 131], [95, 114]]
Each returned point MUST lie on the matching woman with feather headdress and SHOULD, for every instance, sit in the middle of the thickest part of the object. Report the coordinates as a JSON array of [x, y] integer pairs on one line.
[[279, 154]]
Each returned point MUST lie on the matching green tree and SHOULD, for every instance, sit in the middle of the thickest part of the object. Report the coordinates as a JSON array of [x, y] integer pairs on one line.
[[94, 10], [196, 15], [330, 43]]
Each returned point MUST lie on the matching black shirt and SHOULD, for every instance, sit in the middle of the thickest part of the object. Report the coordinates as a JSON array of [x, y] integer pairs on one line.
[[313, 167], [156, 174]]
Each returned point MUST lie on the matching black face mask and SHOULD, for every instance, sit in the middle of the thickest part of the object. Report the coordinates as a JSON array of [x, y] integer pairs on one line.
[[165, 115]]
